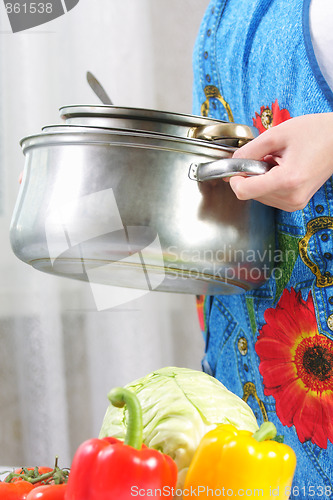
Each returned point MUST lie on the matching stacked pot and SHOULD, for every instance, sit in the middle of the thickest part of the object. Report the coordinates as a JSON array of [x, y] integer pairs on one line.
[[135, 198]]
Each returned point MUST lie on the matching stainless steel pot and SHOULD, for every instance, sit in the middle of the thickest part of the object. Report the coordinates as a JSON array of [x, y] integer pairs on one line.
[[159, 122], [125, 209]]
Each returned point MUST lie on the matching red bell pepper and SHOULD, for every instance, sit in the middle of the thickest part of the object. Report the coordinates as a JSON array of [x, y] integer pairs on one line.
[[107, 468]]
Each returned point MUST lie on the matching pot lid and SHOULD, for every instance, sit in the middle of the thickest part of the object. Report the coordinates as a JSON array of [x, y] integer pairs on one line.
[[102, 111], [176, 124], [138, 113]]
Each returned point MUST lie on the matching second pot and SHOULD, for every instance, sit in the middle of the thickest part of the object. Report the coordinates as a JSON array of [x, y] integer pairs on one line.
[[122, 209]]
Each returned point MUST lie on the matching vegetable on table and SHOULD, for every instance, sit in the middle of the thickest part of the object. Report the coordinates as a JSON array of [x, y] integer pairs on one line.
[[32, 483], [108, 468], [15, 491], [39, 475], [48, 492], [28, 474], [179, 406], [229, 462]]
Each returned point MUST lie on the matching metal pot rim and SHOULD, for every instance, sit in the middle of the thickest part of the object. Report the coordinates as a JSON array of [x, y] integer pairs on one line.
[[124, 138], [72, 127]]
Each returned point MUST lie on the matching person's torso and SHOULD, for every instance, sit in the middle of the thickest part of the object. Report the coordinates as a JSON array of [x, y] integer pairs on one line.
[[261, 72]]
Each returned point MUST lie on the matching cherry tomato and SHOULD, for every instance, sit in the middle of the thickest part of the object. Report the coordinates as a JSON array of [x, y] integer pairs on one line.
[[15, 491], [48, 492]]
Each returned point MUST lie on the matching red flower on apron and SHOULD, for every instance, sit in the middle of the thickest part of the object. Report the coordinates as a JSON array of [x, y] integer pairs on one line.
[[296, 363], [269, 117]]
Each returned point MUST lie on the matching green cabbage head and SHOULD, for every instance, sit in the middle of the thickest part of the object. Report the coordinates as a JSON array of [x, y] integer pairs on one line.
[[179, 406]]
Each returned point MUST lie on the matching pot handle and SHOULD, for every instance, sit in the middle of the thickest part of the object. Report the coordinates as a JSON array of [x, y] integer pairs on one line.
[[223, 131], [227, 167]]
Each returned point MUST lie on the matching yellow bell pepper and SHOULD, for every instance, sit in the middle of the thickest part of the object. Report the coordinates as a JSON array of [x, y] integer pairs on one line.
[[236, 463]]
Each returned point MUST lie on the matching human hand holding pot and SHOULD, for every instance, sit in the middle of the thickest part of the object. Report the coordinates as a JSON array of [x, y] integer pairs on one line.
[[301, 150]]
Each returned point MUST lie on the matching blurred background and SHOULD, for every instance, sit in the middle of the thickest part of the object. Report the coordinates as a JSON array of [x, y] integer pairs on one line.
[[59, 356]]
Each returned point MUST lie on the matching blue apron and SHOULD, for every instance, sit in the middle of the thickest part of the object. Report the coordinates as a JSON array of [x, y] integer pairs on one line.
[[274, 346]]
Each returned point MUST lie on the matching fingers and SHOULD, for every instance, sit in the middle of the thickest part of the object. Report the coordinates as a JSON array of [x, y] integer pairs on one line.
[[273, 190], [299, 153], [257, 188], [266, 144], [246, 188]]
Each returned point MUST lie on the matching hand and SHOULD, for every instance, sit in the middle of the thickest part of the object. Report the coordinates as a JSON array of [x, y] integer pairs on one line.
[[301, 150]]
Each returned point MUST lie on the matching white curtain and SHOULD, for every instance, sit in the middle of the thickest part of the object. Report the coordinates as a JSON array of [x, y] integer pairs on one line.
[[59, 356]]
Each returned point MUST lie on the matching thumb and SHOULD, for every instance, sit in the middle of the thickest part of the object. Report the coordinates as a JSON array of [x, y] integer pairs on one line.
[[256, 186], [237, 185]]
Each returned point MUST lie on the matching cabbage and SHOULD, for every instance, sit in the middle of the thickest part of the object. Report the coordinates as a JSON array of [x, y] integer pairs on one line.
[[179, 406]]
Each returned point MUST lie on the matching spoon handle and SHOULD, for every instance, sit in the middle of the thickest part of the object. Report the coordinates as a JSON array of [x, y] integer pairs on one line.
[[98, 89]]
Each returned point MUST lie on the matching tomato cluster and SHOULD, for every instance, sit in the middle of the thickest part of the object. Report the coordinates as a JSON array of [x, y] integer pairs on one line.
[[34, 483]]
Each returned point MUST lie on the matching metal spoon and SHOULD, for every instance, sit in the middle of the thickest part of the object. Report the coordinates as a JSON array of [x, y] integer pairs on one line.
[[98, 89]]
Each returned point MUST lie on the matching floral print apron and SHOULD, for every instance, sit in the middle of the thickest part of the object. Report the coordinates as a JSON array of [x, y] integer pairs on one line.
[[274, 346]]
